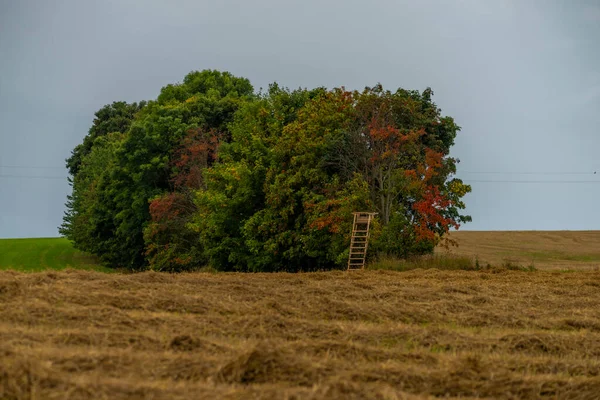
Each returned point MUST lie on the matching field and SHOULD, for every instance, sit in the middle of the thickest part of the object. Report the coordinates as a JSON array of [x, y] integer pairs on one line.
[[41, 254], [549, 250], [369, 334], [546, 250]]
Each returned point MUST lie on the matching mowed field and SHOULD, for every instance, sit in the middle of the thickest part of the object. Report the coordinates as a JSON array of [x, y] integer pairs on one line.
[[549, 250], [427, 333], [334, 335]]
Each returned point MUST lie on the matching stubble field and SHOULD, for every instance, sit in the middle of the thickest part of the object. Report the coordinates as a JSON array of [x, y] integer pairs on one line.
[[548, 250], [336, 335]]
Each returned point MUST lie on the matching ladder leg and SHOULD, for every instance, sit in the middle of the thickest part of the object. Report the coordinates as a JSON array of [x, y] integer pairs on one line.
[[359, 240]]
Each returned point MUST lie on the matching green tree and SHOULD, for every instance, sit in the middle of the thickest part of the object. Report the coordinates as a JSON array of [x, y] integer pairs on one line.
[[236, 184], [282, 195], [88, 221], [86, 170], [171, 244], [142, 169], [205, 100], [115, 117], [210, 172], [399, 143]]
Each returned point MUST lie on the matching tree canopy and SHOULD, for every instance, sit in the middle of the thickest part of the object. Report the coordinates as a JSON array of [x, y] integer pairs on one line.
[[212, 173]]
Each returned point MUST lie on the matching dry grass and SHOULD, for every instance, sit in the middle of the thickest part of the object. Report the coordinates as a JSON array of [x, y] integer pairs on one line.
[[369, 334], [551, 250], [448, 262]]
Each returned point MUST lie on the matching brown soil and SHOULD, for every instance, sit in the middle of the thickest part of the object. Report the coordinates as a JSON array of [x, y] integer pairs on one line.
[[370, 334]]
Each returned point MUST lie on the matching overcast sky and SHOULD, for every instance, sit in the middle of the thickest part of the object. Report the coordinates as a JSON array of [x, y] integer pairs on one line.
[[521, 77]]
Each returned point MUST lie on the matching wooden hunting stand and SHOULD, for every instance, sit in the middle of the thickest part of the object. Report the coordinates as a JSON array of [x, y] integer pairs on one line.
[[360, 240]]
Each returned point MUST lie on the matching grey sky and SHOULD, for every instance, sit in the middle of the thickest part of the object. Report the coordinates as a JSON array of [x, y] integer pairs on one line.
[[521, 77]]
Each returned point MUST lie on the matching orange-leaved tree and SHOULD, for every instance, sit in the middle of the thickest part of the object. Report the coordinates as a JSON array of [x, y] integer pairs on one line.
[[399, 144], [171, 244]]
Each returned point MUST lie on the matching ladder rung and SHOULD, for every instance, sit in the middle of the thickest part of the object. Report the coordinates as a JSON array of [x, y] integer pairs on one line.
[[359, 240]]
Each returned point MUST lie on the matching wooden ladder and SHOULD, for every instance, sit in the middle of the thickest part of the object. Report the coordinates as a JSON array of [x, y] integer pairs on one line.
[[360, 240]]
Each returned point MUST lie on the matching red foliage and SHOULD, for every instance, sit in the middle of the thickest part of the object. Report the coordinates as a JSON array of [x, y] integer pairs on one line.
[[168, 238], [198, 151], [167, 235], [432, 203], [389, 144], [429, 209], [433, 162], [169, 207], [329, 217]]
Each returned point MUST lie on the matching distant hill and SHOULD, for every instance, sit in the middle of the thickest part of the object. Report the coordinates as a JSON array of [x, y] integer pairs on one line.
[[543, 249]]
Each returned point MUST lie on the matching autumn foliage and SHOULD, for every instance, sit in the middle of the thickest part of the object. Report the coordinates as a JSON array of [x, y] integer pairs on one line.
[[269, 181], [170, 243]]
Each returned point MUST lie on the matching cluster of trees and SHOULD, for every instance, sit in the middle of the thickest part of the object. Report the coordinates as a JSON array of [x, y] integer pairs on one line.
[[212, 173]]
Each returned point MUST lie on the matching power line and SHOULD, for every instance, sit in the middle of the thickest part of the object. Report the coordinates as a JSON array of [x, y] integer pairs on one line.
[[32, 177], [527, 173], [28, 167], [522, 181]]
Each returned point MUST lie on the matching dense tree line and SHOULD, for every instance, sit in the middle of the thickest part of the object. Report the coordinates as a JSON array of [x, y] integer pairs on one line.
[[212, 173]]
